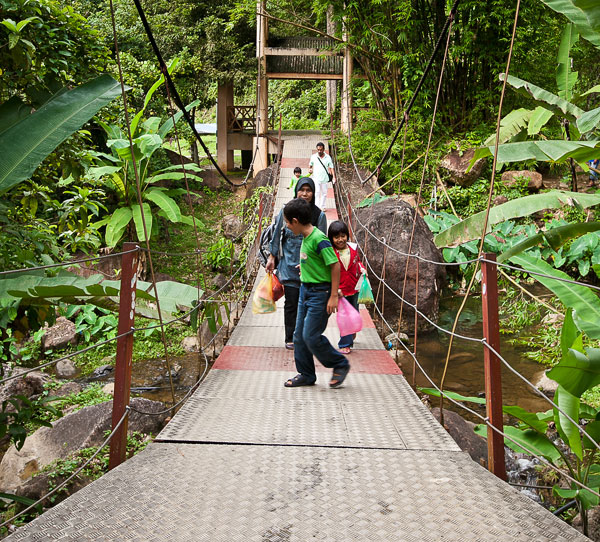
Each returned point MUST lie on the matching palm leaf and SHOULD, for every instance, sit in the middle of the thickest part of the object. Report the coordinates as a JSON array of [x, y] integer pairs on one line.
[[141, 219], [544, 98], [166, 203], [585, 304], [584, 14], [116, 225], [538, 120], [565, 78], [26, 143], [471, 228], [511, 125]]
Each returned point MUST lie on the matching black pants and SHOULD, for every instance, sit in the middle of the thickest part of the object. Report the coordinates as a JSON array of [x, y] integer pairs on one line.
[[290, 309]]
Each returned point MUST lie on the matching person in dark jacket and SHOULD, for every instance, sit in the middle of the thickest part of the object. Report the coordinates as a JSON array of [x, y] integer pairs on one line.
[[285, 256]]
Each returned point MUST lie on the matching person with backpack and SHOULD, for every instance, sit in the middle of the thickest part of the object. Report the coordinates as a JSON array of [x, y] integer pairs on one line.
[[284, 255]]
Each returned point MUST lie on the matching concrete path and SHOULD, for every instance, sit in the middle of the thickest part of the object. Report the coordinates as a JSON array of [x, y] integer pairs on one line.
[[246, 459]]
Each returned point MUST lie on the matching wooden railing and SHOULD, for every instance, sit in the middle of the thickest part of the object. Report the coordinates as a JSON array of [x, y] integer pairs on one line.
[[242, 118]]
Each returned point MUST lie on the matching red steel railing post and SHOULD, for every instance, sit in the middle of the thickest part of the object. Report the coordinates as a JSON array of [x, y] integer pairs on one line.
[[118, 444], [492, 366]]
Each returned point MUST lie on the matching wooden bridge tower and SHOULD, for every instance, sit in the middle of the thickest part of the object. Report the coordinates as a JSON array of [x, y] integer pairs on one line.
[[298, 57]]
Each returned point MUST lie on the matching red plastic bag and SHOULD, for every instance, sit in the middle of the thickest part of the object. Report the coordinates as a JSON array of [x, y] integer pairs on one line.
[[349, 319], [262, 301], [277, 289]]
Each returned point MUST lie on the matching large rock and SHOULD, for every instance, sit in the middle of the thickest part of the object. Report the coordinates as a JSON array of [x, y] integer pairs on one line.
[[26, 385], [81, 429], [534, 179], [454, 166], [60, 335], [232, 226], [462, 432], [392, 220]]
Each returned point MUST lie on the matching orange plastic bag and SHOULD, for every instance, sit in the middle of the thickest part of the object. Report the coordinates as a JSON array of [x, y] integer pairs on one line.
[[262, 301], [277, 289]]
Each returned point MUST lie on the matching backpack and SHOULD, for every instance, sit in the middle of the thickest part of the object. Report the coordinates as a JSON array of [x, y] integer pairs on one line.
[[264, 243]]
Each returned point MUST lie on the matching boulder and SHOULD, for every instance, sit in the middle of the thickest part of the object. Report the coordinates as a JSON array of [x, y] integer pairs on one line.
[[82, 429], [68, 388], [27, 385], [462, 432], [190, 344], [544, 384], [218, 282], [65, 369], [499, 200], [392, 220], [60, 335], [454, 166], [232, 226], [109, 388], [534, 179], [593, 524]]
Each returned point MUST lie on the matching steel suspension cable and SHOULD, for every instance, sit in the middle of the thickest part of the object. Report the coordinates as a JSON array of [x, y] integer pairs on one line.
[[489, 202], [177, 98]]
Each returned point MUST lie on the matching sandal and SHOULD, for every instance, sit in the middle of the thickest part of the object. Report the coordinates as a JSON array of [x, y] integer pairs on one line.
[[345, 350], [338, 376], [299, 380], [289, 346]]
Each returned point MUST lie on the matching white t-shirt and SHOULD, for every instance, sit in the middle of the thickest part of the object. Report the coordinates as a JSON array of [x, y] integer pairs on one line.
[[320, 172]]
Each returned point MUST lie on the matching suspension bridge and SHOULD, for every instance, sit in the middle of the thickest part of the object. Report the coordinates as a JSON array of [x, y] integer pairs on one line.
[[247, 459]]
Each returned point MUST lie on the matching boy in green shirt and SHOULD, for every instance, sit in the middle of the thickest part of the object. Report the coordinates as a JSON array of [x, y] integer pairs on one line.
[[320, 278]]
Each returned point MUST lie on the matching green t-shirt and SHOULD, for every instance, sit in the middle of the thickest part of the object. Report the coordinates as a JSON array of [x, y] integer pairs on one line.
[[316, 255]]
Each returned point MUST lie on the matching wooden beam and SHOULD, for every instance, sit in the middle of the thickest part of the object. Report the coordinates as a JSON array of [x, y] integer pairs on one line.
[[296, 51], [316, 76]]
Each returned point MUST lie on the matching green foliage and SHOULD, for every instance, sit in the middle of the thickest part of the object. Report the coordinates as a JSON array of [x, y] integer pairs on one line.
[[92, 322], [220, 254], [19, 411]]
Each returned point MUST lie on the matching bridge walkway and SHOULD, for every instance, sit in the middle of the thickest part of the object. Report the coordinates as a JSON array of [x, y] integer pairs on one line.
[[246, 459]]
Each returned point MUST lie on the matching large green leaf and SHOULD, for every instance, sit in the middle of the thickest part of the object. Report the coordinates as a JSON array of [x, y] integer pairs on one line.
[[117, 224], [538, 120], [585, 304], [556, 237], [26, 143], [167, 204], [589, 121], [544, 98], [570, 337], [565, 78], [12, 112], [568, 431], [471, 228], [541, 151], [583, 14], [512, 124], [140, 222], [577, 372], [528, 441]]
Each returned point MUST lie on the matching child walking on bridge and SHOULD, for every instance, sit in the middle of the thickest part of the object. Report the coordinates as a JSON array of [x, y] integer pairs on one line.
[[351, 268], [320, 278]]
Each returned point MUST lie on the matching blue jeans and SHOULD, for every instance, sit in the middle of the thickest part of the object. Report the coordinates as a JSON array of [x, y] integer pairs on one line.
[[348, 340], [309, 340]]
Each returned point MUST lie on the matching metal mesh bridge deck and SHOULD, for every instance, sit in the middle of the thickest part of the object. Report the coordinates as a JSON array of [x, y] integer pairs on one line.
[[246, 459]]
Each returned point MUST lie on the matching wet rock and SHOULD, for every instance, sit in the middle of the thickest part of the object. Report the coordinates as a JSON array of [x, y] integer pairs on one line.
[[82, 429], [109, 388], [455, 165], [27, 385], [60, 335], [103, 371], [462, 432], [593, 524], [65, 369], [68, 388], [392, 220], [545, 384], [499, 200], [534, 179], [232, 226], [190, 344], [218, 282]]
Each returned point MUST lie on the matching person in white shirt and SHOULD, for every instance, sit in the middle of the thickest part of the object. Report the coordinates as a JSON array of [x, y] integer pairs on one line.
[[321, 170]]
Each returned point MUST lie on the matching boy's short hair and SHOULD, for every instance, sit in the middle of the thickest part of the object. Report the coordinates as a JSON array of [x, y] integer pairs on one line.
[[298, 170], [298, 209], [320, 144], [335, 228]]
